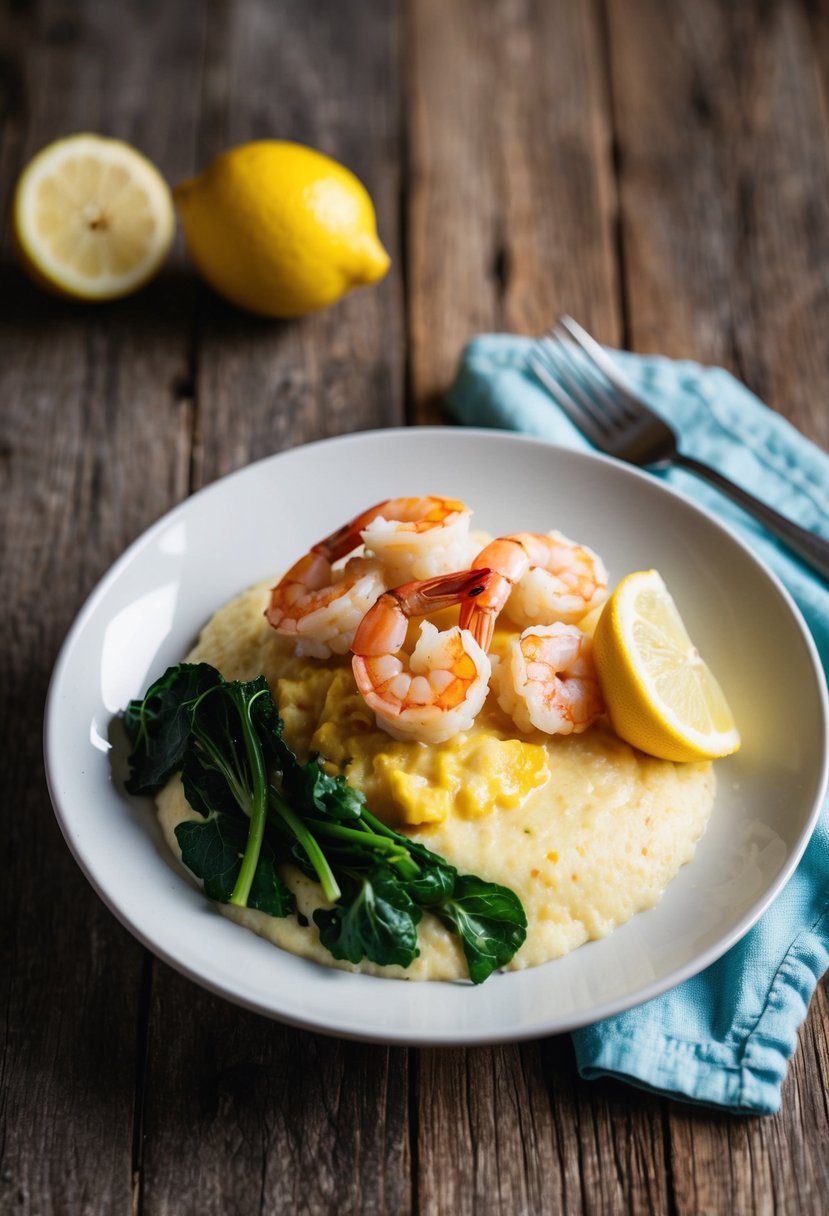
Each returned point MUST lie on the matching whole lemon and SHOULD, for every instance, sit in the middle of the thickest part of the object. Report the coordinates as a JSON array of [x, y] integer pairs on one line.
[[280, 229]]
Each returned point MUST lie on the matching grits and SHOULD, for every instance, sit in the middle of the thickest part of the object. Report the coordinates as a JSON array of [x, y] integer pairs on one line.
[[586, 830]]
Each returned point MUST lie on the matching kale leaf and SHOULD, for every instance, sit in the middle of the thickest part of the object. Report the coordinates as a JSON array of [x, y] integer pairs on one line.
[[261, 808], [221, 735], [213, 851], [377, 920], [309, 786], [159, 726], [490, 920]]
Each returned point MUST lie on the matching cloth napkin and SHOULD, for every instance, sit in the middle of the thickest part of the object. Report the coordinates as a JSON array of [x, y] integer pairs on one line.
[[725, 1037]]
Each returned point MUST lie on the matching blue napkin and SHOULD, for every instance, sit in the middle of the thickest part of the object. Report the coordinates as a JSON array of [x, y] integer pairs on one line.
[[725, 1037]]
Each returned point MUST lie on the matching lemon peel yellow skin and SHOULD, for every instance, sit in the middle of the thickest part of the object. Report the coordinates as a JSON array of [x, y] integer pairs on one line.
[[280, 229], [661, 697], [92, 218]]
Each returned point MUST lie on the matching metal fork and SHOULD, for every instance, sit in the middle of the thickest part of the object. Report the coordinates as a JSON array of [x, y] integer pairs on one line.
[[597, 399]]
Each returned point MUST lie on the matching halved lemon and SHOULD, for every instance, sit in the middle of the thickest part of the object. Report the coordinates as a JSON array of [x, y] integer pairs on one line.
[[93, 218], [660, 694]]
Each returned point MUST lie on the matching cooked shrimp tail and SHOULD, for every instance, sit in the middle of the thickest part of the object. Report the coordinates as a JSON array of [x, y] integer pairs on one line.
[[384, 627], [542, 578], [347, 537], [509, 560]]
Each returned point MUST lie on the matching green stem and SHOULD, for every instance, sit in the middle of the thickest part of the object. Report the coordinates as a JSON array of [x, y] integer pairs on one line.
[[379, 827], [313, 851], [397, 854], [238, 791], [258, 811], [215, 753]]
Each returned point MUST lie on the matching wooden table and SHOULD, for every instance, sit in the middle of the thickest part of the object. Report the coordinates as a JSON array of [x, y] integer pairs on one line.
[[658, 168]]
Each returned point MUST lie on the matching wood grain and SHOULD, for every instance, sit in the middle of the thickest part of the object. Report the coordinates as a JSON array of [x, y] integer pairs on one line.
[[511, 1129], [95, 445], [510, 193], [484, 1118], [724, 189], [245, 1115]]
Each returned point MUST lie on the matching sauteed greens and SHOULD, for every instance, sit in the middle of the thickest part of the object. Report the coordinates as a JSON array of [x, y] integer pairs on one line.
[[262, 808]]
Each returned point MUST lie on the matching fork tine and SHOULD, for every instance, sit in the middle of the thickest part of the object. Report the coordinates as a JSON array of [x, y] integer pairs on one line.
[[596, 355], [585, 381], [583, 420]]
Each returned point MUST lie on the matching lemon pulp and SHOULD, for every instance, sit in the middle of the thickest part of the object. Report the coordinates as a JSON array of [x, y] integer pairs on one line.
[[93, 218]]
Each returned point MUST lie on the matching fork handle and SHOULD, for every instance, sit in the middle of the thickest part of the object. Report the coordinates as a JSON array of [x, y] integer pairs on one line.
[[813, 549]]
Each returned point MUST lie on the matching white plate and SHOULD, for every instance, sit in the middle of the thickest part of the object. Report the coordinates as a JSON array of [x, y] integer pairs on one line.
[[147, 612]]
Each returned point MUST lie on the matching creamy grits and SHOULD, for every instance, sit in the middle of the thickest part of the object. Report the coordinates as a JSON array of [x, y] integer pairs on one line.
[[585, 829]]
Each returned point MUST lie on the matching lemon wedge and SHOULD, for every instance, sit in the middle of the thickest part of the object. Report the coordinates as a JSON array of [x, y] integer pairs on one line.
[[280, 229], [93, 219], [660, 695]]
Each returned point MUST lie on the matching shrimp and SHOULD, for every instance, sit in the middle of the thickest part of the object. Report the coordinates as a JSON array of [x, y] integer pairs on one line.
[[548, 681], [441, 690], [321, 608], [540, 579]]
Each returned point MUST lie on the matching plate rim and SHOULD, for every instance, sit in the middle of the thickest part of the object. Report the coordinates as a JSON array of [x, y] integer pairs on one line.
[[390, 1035]]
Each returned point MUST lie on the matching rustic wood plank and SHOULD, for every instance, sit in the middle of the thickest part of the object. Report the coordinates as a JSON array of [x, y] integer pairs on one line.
[[95, 446], [483, 1117], [245, 1115], [558, 201], [511, 1129], [610, 1140], [510, 192], [724, 181], [328, 79], [242, 1114], [453, 240], [724, 188]]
